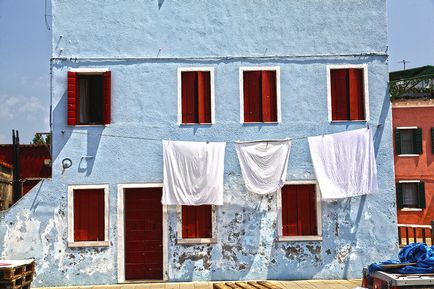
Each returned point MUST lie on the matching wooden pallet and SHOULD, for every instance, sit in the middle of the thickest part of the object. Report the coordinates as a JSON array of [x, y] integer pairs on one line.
[[25, 285], [16, 274], [19, 282], [246, 285], [9, 271]]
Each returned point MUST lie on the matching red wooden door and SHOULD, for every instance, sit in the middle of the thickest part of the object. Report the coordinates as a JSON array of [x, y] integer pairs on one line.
[[143, 234]]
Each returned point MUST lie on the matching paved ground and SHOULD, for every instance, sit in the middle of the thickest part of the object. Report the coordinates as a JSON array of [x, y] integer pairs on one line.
[[305, 284]]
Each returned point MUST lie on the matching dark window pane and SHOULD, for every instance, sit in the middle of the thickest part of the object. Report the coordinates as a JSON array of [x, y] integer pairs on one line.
[[409, 194], [91, 101], [407, 141]]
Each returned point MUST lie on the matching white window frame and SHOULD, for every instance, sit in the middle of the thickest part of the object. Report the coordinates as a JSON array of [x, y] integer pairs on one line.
[[406, 209], [181, 240], [121, 230], [90, 71], [365, 90], [191, 69], [71, 242], [241, 83], [318, 236], [409, 128]]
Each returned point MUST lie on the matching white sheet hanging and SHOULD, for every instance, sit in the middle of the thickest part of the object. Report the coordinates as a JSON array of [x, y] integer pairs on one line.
[[193, 173], [264, 164], [344, 163]]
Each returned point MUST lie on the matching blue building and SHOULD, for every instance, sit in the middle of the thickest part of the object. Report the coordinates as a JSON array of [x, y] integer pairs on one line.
[[128, 74]]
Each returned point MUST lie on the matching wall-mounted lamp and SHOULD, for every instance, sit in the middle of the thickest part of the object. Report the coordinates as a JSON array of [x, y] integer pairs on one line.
[[66, 163]]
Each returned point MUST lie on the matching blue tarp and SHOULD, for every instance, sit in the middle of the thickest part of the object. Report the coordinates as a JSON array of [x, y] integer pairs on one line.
[[419, 253]]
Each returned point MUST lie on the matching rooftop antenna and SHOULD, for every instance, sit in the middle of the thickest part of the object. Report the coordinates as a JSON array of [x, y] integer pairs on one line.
[[404, 62]]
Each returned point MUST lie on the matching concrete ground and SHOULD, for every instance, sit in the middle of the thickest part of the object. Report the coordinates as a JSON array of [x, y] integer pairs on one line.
[[301, 284]]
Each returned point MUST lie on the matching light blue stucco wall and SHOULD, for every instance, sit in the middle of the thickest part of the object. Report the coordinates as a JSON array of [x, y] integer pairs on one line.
[[302, 38]]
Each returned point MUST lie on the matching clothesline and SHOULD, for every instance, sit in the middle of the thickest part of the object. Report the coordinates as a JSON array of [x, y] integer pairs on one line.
[[160, 139], [193, 172]]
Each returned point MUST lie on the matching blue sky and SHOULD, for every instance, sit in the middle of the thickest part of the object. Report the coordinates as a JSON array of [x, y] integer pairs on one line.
[[25, 53]]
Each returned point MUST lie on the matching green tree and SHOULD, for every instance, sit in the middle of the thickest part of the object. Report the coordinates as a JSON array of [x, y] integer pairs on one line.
[[39, 139]]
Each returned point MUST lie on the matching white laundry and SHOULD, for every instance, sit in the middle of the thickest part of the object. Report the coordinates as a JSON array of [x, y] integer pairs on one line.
[[264, 164], [193, 173], [344, 163]]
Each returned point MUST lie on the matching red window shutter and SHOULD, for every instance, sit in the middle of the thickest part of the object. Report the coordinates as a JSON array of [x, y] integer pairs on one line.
[[252, 96], [196, 221], [204, 222], [285, 211], [189, 97], [306, 206], [356, 97], [289, 211], [269, 98], [79, 217], [101, 215], [299, 210], [72, 98], [339, 92], [89, 215], [107, 92], [204, 96], [188, 221]]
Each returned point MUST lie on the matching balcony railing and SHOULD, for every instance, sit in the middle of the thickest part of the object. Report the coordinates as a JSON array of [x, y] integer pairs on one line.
[[409, 233]]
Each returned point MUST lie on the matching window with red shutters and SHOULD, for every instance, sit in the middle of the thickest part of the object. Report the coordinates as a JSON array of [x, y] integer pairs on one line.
[[89, 98], [260, 96], [299, 210], [89, 215], [196, 221], [347, 94], [196, 97]]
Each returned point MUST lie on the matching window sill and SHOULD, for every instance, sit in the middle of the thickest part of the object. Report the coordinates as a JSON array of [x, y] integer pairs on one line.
[[261, 122], [195, 123], [197, 241], [409, 155], [86, 125], [411, 210], [299, 238], [88, 244], [349, 120]]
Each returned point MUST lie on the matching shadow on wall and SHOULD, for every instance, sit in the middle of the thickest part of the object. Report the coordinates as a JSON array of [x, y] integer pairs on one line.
[[93, 139], [63, 136], [385, 108]]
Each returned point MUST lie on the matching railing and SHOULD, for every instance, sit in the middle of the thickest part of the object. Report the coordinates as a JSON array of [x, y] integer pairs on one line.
[[409, 233]]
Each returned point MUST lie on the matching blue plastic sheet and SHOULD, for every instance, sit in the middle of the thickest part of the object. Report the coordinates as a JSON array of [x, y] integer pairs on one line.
[[419, 253]]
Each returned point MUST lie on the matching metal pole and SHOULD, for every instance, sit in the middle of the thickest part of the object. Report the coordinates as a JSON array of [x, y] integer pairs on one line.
[[16, 163]]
